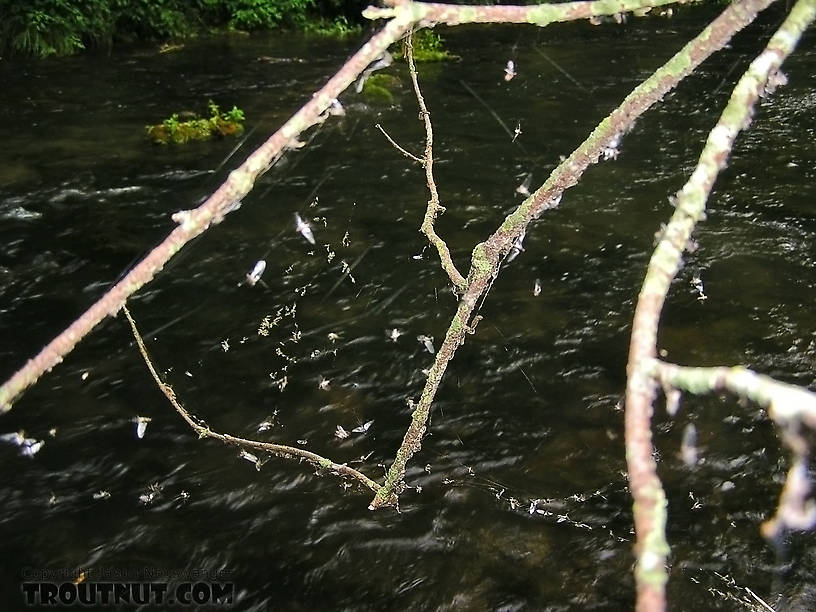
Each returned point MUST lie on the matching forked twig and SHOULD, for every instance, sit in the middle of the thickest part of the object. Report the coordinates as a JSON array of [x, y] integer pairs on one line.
[[278, 450], [406, 153], [434, 208]]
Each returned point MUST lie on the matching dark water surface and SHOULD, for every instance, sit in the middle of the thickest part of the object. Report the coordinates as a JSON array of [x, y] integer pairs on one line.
[[528, 409]]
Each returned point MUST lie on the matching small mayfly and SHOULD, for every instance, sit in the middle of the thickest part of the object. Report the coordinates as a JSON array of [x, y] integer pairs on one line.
[[141, 425], [524, 188], [256, 273], [509, 70], [516, 132], [28, 446], [304, 229], [427, 341], [363, 428], [517, 246]]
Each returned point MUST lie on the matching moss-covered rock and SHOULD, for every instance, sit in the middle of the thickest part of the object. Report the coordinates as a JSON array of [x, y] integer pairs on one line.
[[180, 131], [380, 88]]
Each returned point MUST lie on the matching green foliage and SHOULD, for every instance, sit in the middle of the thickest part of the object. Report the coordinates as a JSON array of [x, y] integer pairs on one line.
[[174, 130], [337, 28], [150, 19], [255, 14], [43, 28], [49, 27], [428, 47]]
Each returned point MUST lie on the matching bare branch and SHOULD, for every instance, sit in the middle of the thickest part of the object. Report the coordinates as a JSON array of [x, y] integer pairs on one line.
[[788, 405], [279, 450], [434, 208], [649, 498], [407, 154]]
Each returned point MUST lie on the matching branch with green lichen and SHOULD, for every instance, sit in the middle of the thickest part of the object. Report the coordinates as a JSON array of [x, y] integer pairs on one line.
[[278, 450], [649, 499], [431, 13], [487, 256]]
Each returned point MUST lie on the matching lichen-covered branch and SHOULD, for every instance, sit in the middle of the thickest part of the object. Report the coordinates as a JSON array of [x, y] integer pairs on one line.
[[649, 498], [278, 450], [192, 223], [431, 13], [434, 208], [789, 406], [487, 256]]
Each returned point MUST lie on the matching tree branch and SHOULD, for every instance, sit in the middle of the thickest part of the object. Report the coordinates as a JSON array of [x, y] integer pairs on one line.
[[434, 208], [194, 222], [789, 406], [430, 13], [488, 255], [279, 450], [407, 154], [647, 492]]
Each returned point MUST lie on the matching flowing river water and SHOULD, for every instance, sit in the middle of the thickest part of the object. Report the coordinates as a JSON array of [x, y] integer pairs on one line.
[[518, 499]]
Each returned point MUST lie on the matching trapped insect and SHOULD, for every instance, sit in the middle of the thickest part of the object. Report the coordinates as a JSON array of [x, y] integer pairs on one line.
[[517, 246], [304, 229], [255, 275], [363, 428], [509, 70], [427, 341], [141, 425]]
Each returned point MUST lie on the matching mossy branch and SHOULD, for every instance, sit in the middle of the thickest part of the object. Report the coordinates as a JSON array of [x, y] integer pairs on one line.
[[279, 450], [430, 13], [647, 491], [487, 256]]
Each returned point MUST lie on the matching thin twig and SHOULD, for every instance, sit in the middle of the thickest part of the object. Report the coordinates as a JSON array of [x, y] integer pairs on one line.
[[279, 450], [434, 208], [407, 154], [761, 601], [647, 491]]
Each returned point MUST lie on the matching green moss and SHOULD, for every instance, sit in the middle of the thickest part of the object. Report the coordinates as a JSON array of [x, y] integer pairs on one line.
[[428, 47], [174, 130], [480, 263], [338, 28], [376, 91], [388, 81]]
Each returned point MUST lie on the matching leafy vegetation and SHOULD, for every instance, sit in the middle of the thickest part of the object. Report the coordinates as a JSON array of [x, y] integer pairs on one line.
[[174, 130], [428, 47], [337, 28], [43, 28]]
